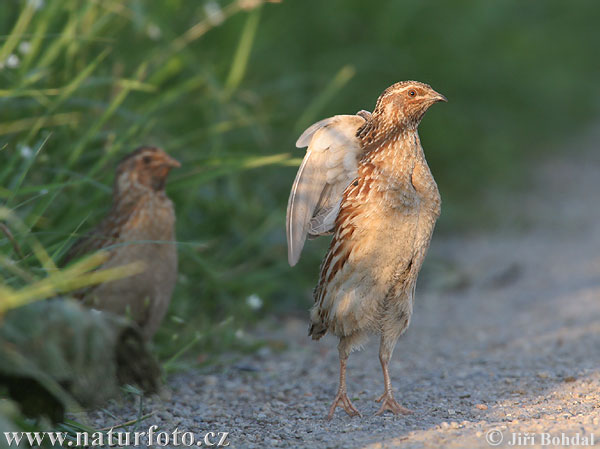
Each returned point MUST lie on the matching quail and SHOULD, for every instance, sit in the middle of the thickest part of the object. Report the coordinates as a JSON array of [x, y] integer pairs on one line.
[[365, 180], [140, 227]]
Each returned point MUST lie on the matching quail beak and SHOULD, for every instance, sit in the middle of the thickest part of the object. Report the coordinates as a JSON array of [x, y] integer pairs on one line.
[[438, 97], [171, 162]]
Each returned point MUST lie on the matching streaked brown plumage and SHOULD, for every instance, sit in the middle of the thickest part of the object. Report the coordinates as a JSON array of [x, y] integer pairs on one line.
[[140, 227], [365, 179]]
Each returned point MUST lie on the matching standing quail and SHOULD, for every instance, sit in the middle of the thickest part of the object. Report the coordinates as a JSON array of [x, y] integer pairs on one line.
[[140, 227], [365, 180]]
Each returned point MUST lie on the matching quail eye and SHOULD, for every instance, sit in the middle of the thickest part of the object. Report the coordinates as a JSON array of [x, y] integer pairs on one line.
[[147, 160], [411, 93]]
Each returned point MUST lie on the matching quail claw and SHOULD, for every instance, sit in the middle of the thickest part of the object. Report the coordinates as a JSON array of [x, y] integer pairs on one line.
[[342, 398], [389, 403]]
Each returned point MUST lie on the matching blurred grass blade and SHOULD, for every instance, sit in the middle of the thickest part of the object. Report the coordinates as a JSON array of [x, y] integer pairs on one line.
[[202, 27], [59, 119], [242, 54], [215, 168], [43, 20], [29, 163], [310, 114], [70, 279], [67, 91], [38, 249], [108, 113], [17, 31], [11, 238], [10, 266], [168, 366]]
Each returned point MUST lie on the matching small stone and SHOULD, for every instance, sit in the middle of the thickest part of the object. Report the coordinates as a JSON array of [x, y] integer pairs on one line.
[[570, 379], [211, 380], [481, 406], [451, 412]]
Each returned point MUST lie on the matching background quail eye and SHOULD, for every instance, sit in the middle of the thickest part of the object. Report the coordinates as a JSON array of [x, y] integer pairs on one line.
[[412, 93], [147, 159]]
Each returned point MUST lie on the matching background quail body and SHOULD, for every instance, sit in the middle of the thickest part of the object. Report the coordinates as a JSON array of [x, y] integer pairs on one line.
[[381, 202], [140, 227]]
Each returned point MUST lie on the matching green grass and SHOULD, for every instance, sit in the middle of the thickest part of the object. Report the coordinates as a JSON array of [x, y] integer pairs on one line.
[[76, 101], [83, 82]]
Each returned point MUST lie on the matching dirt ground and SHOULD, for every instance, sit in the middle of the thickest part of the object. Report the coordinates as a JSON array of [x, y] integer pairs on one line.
[[504, 344]]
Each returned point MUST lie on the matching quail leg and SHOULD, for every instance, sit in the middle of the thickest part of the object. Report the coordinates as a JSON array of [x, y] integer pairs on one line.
[[342, 397], [387, 398]]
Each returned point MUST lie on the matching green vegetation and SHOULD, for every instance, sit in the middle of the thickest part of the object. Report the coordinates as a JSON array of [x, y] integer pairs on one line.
[[227, 90]]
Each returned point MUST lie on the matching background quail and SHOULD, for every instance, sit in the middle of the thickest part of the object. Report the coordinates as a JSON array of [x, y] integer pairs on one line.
[[140, 227]]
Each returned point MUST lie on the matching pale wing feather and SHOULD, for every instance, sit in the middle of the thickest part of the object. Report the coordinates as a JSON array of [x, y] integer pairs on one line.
[[329, 166], [307, 135]]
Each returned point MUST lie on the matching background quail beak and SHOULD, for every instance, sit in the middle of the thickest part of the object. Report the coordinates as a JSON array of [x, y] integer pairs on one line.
[[172, 162]]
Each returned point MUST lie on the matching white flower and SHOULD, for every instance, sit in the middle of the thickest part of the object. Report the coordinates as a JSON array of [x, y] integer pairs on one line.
[[26, 152], [12, 61], [214, 13], [254, 302], [25, 47], [37, 4], [239, 334], [154, 31]]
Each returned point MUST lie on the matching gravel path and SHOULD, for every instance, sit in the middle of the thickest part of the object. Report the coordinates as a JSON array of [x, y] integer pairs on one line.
[[505, 339]]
